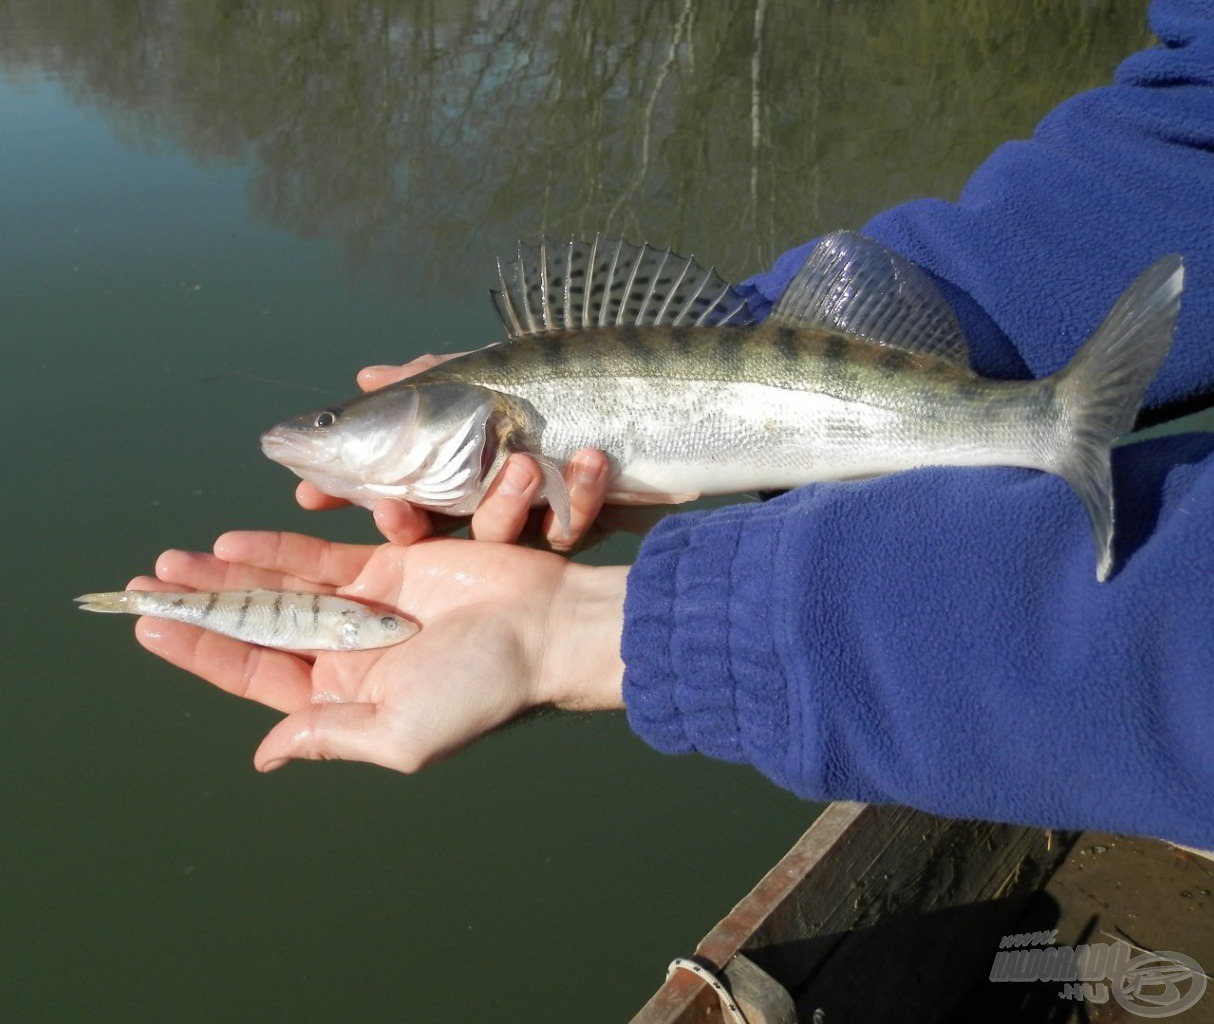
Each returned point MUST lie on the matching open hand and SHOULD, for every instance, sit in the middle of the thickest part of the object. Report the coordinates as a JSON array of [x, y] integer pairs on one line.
[[503, 629]]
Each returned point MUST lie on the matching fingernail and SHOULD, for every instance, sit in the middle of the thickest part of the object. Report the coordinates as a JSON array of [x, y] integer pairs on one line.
[[516, 481], [587, 471]]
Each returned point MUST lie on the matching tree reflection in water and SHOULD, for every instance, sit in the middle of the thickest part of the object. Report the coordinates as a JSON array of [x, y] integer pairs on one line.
[[422, 137]]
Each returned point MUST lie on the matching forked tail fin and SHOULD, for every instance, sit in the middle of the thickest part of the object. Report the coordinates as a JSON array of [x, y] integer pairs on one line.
[[1102, 388], [111, 602]]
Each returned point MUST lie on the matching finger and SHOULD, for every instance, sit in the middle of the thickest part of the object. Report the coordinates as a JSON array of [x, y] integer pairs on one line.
[[198, 571], [295, 555], [372, 377], [149, 583], [586, 481], [274, 678], [314, 499], [327, 732], [400, 522], [503, 511], [171, 585]]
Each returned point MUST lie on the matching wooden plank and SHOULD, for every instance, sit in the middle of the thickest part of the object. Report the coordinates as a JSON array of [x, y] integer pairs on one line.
[[1111, 888], [865, 885], [763, 999]]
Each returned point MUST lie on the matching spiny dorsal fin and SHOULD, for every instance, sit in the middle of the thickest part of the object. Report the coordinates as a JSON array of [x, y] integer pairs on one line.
[[609, 282], [852, 284]]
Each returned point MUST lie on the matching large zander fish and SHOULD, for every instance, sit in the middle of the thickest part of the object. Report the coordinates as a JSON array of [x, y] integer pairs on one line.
[[861, 369]]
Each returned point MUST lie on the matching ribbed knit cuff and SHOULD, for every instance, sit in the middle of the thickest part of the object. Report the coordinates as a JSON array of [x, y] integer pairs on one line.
[[703, 624]]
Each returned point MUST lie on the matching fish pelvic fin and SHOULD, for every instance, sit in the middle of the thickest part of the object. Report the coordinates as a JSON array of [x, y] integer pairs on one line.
[[115, 601], [1103, 386]]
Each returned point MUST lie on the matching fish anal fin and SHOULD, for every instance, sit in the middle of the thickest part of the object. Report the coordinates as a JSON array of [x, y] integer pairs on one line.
[[853, 285], [650, 498]]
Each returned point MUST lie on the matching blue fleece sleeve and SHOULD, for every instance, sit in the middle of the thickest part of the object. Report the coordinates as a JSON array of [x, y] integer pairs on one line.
[[938, 637], [1050, 230], [910, 640]]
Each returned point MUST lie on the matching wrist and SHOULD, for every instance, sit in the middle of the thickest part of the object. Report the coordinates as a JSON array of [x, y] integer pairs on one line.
[[582, 669]]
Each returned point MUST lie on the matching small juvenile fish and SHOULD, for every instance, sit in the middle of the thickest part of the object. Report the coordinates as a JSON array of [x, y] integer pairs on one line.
[[272, 618]]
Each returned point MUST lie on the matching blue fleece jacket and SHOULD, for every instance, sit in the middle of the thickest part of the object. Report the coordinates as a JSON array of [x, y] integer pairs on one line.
[[937, 637]]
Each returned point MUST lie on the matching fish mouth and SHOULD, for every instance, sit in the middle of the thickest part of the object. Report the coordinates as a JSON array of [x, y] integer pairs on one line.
[[283, 448]]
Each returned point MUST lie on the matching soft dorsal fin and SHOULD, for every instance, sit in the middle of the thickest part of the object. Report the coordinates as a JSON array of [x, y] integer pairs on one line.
[[852, 284], [608, 283]]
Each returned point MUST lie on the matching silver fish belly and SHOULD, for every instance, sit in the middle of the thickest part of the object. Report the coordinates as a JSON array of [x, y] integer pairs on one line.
[[285, 620], [861, 369]]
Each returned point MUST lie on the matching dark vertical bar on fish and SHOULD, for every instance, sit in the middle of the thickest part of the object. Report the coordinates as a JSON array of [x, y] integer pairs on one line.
[[271, 618]]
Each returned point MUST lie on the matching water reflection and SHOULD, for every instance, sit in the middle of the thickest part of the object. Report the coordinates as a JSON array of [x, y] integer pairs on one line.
[[419, 135]]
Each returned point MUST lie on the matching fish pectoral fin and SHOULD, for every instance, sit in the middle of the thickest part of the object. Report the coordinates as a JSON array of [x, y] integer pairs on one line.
[[852, 284], [577, 285], [553, 490]]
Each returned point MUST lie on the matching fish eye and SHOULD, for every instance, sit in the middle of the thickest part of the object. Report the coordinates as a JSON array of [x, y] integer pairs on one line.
[[389, 622], [326, 418]]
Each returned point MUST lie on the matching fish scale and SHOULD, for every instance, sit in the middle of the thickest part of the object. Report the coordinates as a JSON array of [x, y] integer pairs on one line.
[[758, 394]]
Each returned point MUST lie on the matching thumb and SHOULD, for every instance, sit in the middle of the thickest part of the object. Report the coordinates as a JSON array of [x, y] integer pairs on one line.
[[400, 522], [332, 732]]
